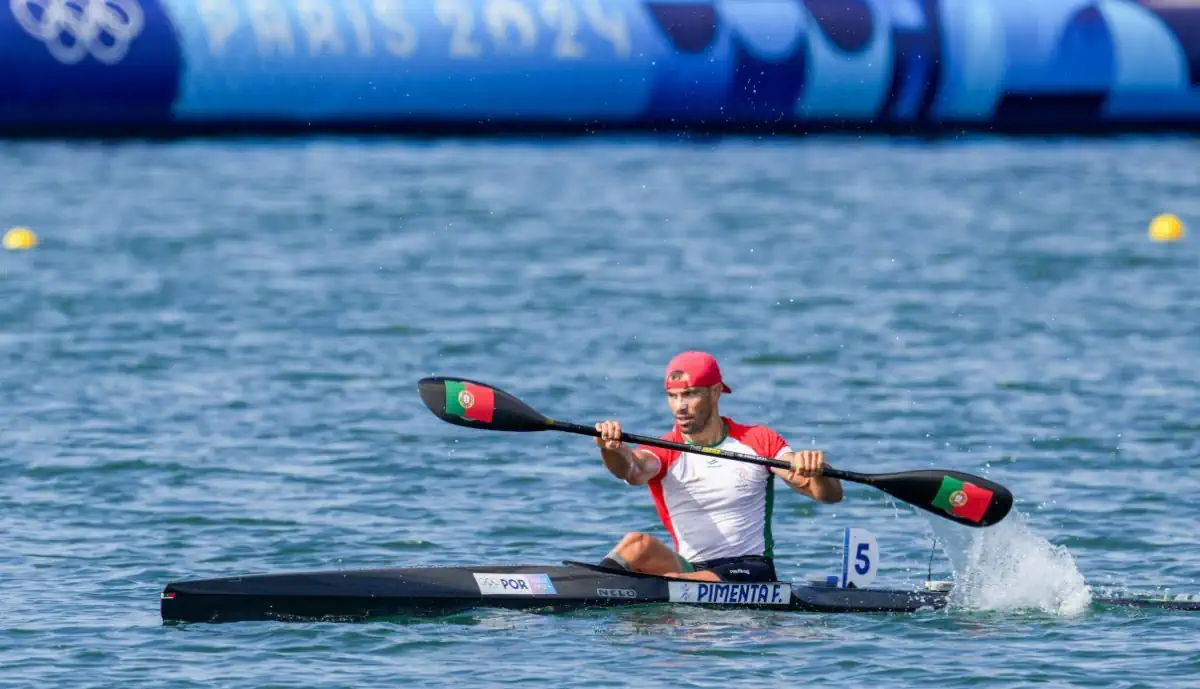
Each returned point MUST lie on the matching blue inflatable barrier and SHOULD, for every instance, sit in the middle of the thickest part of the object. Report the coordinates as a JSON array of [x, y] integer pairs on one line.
[[185, 66]]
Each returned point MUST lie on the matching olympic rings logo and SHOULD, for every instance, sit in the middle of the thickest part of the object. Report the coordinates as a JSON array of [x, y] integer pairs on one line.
[[74, 29]]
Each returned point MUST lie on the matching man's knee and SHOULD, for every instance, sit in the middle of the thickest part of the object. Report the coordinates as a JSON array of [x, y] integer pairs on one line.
[[635, 543]]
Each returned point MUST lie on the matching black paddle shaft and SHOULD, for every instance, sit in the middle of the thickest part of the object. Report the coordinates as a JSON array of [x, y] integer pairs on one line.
[[684, 447]]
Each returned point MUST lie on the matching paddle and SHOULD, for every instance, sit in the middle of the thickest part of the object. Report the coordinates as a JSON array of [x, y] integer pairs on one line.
[[952, 495]]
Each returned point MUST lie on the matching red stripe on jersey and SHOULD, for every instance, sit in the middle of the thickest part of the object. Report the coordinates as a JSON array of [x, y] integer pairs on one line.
[[660, 505], [665, 459]]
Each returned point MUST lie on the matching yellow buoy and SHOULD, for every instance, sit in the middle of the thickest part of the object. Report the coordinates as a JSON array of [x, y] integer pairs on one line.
[[20, 238], [1166, 228]]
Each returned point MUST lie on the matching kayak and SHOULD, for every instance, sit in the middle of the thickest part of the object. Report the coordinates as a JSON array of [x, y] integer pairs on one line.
[[358, 595], [365, 594]]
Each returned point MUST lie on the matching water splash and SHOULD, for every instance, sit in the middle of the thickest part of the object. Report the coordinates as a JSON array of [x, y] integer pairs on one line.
[[1010, 567]]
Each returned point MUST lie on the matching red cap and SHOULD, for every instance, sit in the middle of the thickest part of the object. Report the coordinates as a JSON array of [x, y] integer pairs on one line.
[[699, 369]]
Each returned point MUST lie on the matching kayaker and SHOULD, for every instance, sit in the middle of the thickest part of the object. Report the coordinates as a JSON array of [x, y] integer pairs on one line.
[[717, 512]]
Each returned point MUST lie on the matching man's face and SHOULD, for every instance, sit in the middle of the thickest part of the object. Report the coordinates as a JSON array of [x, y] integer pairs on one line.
[[693, 407]]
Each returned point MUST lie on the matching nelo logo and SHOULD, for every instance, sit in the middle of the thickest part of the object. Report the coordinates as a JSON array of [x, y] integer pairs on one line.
[[74, 29], [616, 593]]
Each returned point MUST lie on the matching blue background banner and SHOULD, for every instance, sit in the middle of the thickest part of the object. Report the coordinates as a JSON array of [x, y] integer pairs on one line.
[[488, 65], [69, 64]]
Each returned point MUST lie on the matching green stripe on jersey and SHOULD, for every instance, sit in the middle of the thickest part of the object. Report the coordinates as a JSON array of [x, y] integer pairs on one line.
[[767, 538]]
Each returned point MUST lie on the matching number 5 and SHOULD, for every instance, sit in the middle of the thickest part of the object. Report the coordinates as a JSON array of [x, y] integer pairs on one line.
[[862, 563]]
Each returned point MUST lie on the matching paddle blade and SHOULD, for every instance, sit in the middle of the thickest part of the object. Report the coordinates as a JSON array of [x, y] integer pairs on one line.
[[969, 500], [478, 405]]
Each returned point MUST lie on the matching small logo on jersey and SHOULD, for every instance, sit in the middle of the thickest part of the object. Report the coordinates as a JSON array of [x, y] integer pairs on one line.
[[745, 480]]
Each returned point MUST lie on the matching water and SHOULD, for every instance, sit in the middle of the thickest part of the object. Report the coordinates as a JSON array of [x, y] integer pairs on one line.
[[210, 366]]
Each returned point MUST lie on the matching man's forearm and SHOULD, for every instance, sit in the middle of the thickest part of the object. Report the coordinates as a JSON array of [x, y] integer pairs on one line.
[[629, 466], [825, 489], [819, 488], [618, 462]]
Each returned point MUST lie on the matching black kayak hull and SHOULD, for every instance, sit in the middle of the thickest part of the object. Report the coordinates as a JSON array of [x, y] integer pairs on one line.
[[358, 595], [367, 594]]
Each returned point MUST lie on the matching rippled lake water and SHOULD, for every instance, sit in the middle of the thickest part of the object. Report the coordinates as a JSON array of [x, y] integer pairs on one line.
[[210, 366]]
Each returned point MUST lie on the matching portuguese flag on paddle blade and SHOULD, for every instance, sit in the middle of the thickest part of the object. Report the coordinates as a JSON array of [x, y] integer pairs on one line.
[[470, 401], [963, 499]]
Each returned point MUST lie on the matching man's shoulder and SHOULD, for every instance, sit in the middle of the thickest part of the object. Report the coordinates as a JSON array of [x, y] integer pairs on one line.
[[737, 430], [761, 438]]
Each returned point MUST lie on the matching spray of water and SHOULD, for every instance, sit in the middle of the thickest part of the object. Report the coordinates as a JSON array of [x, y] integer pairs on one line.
[[1010, 567]]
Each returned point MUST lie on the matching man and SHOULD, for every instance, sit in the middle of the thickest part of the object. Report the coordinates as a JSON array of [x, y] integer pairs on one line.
[[717, 511]]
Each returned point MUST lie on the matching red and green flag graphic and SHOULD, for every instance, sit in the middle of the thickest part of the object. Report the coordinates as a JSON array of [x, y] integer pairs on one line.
[[470, 401], [963, 499]]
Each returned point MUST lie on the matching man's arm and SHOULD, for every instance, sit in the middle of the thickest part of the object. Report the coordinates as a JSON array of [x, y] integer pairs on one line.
[[805, 476], [634, 467]]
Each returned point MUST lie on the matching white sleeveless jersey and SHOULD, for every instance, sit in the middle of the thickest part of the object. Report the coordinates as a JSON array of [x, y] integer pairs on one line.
[[716, 508]]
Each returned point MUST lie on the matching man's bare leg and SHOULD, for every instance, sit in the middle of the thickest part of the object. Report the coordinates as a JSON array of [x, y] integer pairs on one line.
[[705, 575], [644, 553]]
